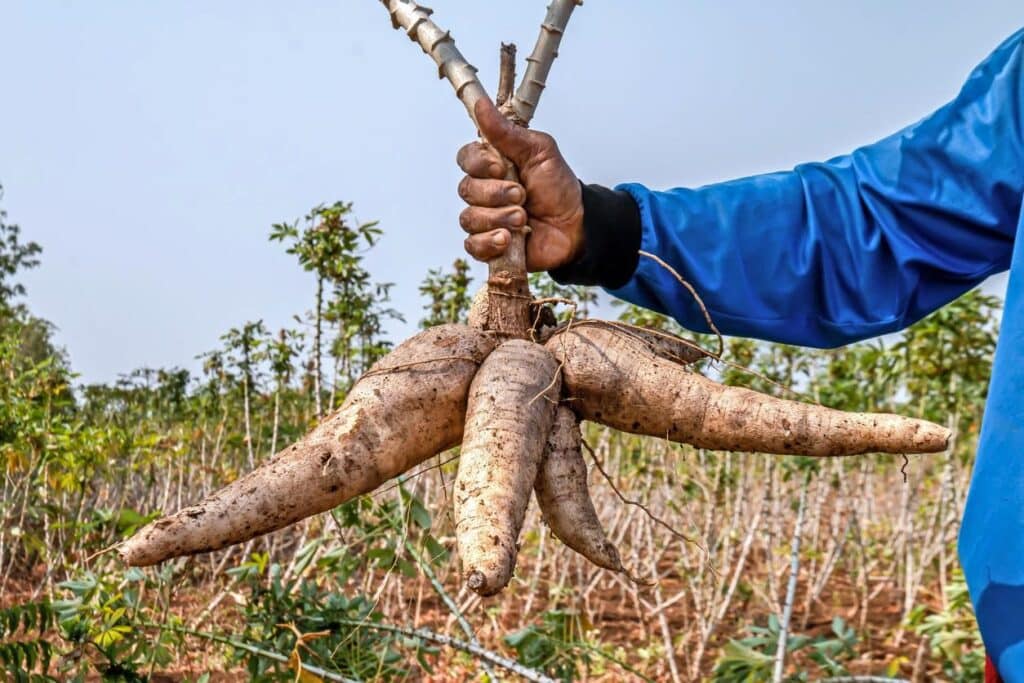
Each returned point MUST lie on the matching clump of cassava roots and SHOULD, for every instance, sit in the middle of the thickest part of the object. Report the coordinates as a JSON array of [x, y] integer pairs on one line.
[[512, 391]]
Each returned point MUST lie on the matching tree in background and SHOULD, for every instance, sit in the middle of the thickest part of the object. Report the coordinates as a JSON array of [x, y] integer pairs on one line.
[[15, 256], [329, 244], [281, 354], [448, 295], [244, 346]]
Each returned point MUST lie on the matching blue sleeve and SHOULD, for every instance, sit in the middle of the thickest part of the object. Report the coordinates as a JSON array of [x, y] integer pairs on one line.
[[855, 247]]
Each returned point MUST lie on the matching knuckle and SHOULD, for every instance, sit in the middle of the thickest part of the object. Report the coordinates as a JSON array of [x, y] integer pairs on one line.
[[464, 188], [545, 141], [482, 169]]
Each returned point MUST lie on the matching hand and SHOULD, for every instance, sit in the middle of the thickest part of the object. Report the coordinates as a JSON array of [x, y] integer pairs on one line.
[[547, 198]]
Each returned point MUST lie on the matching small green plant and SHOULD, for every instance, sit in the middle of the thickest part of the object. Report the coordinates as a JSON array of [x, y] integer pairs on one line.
[[322, 626], [24, 649], [554, 644], [952, 634], [312, 620], [751, 659], [107, 616]]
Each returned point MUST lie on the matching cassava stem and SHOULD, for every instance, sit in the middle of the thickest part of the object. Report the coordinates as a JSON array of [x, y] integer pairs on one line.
[[616, 380], [415, 20], [509, 290], [506, 74], [410, 406], [508, 416], [538, 64]]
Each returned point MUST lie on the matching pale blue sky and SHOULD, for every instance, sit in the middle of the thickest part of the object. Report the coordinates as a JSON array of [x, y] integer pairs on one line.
[[149, 146]]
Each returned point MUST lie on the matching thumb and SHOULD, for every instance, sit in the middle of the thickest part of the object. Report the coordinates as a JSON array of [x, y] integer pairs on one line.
[[511, 140]]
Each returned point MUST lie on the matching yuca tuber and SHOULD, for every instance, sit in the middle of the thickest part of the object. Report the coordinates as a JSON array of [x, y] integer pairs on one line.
[[618, 381], [410, 406], [510, 408], [564, 497], [441, 387]]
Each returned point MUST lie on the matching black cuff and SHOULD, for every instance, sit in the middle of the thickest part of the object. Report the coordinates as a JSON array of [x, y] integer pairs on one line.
[[611, 240]]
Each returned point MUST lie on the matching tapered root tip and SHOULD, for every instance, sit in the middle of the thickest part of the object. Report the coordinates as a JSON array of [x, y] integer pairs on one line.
[[610, 559], [477, 582], [124, 556], [932, 438]]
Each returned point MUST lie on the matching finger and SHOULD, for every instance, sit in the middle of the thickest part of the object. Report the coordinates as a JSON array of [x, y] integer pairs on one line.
[[477, 219], [511, 140], [491, 193], [480, 161], [488, 245]]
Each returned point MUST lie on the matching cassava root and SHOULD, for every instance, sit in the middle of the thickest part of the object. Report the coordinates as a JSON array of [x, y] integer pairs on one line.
[[510, 409], [564, 496], [409, 407], [497, 393], [618, 381]]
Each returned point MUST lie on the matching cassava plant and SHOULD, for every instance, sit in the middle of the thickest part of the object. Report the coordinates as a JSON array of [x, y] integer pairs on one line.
[[511, 387]]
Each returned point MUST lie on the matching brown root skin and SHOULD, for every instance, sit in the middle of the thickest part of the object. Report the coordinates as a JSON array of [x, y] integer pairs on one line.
[[615, 379], [479, 309], [662, 344], [391, 421], [509, 413], [564, 497]]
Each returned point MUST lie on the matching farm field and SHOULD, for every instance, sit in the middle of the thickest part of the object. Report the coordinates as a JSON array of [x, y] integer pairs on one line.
[[855, 556]]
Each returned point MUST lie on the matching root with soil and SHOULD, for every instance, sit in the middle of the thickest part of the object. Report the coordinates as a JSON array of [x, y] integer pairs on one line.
[[512, 395]]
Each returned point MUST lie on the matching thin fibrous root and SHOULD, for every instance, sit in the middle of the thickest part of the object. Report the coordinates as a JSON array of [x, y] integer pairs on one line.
[[616, 380], [507, 423], [564, 497], [542, 319], [390, 422]]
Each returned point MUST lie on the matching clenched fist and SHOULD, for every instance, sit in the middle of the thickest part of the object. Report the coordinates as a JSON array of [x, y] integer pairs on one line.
[[548, 197]]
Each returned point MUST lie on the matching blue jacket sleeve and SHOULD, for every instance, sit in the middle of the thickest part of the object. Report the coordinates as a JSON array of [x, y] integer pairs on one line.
[[855, 247]]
